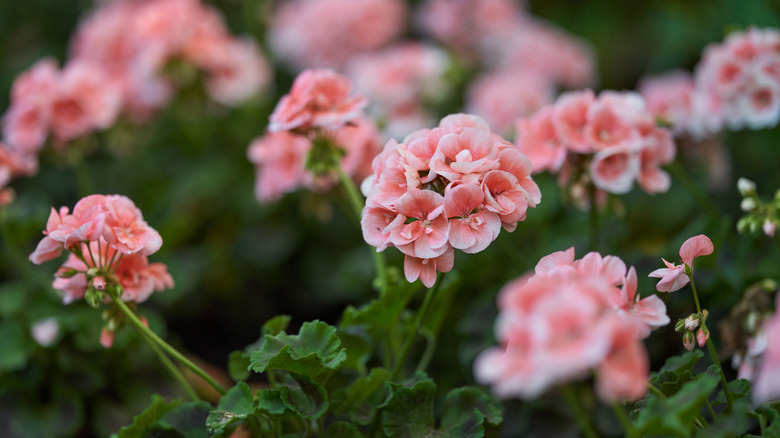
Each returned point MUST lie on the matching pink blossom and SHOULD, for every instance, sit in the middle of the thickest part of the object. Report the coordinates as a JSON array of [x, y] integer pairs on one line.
[[670, 97], [649, 312], [672, 277], [765, 385], [125, 228], [26, 123], [470, 230], [614, 169], [623, 374], [427, 236], [612, 119], [235, 70], [426, 269], [558, 324], [538, 140], [501, 97], [377, 223], [570, 118], [317, 33], [318, 98], [106, 338], [279, 158], [463, 154]]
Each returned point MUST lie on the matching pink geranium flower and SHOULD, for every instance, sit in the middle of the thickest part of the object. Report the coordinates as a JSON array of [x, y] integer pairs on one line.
[[318, 98], [471, 229], [426, 269], [766, 385], [673, 277], [126, 230], [427, 236]]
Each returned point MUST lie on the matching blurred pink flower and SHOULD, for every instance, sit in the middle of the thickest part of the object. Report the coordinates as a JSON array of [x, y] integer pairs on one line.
[[557, 325], [279, 157], [317, 99], [766, 385], [327, 33]]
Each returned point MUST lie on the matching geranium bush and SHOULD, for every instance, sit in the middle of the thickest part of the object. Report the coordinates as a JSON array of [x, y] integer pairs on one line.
[[429, 218]]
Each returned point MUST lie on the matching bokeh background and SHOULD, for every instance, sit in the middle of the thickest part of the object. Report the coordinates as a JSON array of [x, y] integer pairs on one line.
[[237, 262]]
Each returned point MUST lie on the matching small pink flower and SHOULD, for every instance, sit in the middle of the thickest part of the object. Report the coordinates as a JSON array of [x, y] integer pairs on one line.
[[615, 168], [279, 158], [377, 224], [125, 228], [691, 322], [426, 269], [570, 119], [318, 98], [426, 237], [672, 277], [99, 283], [537, 138], [235, 71], [649, 312], [622, 375], [470, 230]]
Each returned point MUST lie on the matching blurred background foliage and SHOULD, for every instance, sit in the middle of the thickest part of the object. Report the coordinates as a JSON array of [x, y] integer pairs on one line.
[[237, 263]]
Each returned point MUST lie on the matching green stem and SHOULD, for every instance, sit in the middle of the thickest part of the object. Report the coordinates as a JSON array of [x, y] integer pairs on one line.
[[723, 381], [712, 411], [710, 346], [430, 346], [357, 204], [407, 346], [621, 415], [165, 346], [574, 404], [704, 202], [171, 367], [321, 427]]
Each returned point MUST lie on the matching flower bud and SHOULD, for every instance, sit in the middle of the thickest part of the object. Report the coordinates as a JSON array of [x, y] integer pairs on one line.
[[107, 338], [691, 322], [94, 297], [688, 341], [702, 335], [93, 272], [769, 227], [99, 283], [680, 325], [746, 187], [748, 204]]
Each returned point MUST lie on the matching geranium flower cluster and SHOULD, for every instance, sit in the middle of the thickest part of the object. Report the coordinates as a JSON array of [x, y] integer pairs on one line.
[[108, 241], [567, 319], [318, 115], [736, 85], [451, 187], [609, 140], [117, 66], [327, 33], [398, 82], [525, 58]]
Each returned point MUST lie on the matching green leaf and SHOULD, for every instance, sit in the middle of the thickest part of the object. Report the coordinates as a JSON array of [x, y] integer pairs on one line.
[[150, 415], [276, 325], [342, 429], [234, 406], [771, 416], [16, 349], [727, 426], [465, 410], [187, 420], [358, 352], [676, 372], [314, 351], [238, 366], [270, 400], [683, 362], [363, 397], [674, 415], [381, 313], [740, 392], [409, 413], [307, 399]]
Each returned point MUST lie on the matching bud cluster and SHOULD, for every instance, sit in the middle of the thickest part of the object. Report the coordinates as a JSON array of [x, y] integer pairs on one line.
[[763, 215], [692, 336]]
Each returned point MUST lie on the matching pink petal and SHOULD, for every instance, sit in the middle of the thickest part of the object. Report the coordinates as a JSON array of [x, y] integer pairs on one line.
[[696, 246]]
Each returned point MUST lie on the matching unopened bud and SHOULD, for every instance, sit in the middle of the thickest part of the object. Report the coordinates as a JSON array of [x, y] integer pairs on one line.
[[769, 227], [748, 204], [99, 283], [691, 322], [94, 297], [680, 325], [689, 341], [702, 335], [64, 272], [746, 187], [107, 338]]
